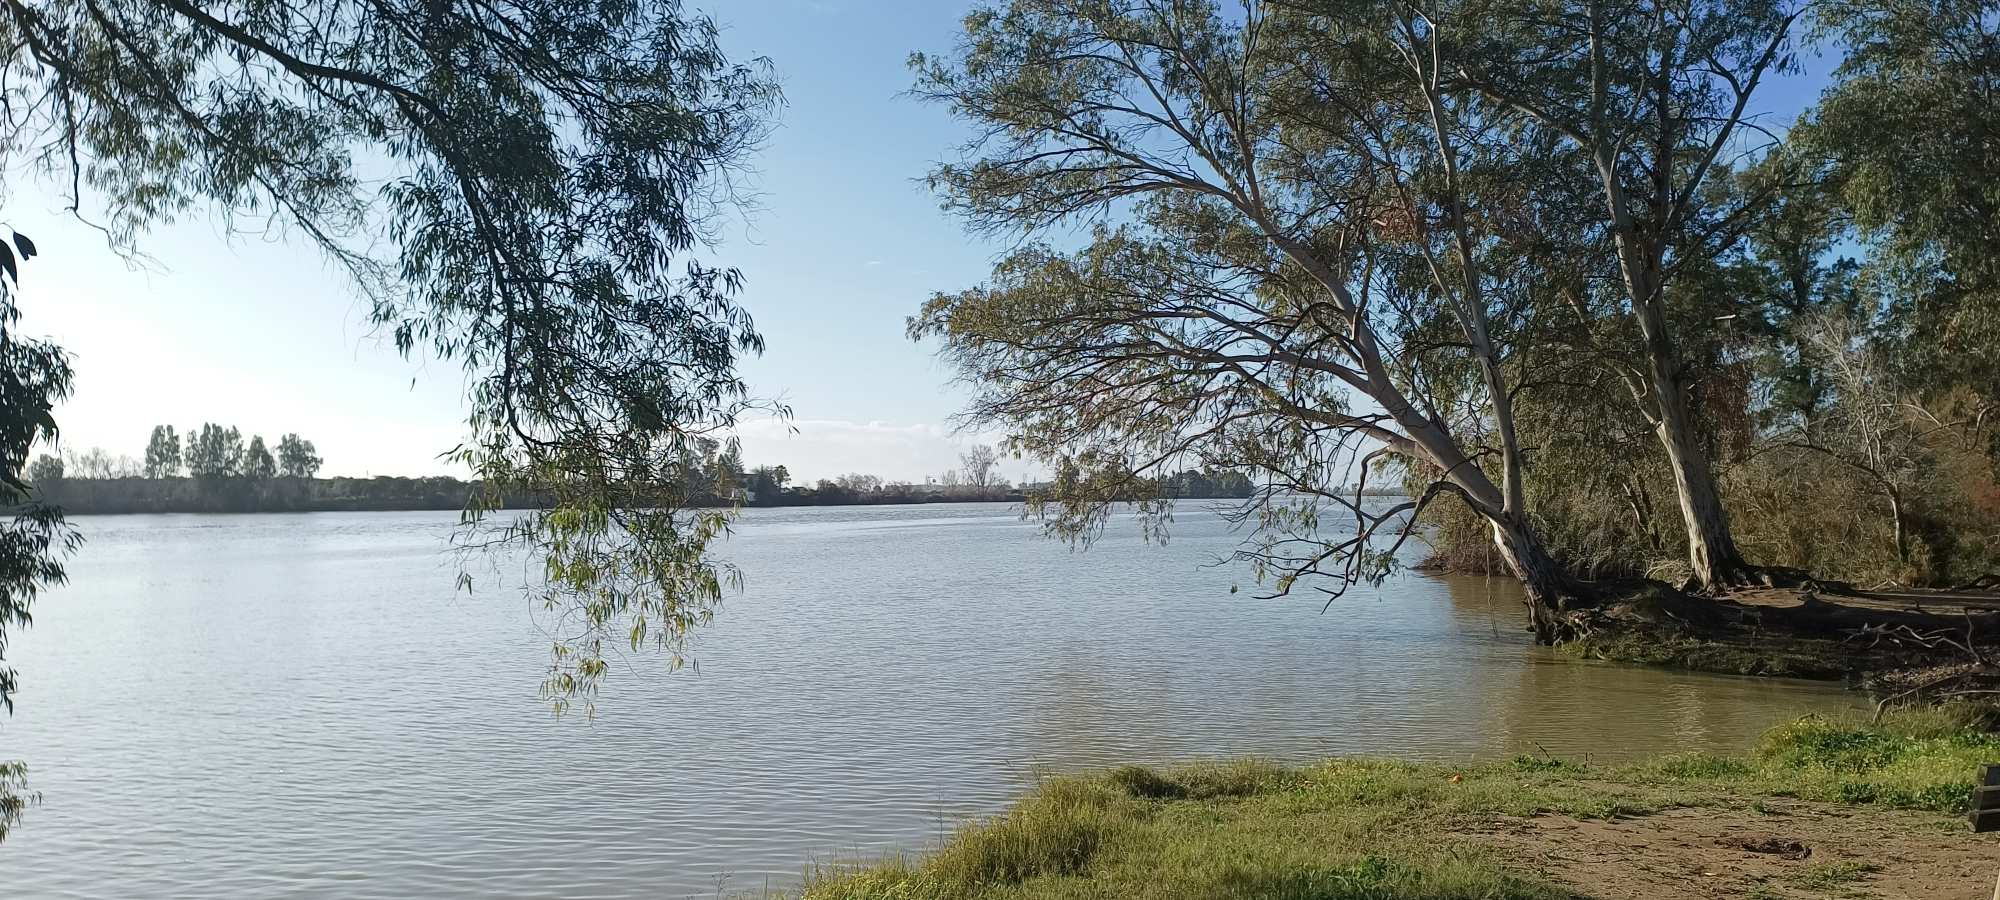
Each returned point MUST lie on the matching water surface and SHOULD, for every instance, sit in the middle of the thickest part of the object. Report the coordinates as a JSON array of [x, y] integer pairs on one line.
[[299, 705]]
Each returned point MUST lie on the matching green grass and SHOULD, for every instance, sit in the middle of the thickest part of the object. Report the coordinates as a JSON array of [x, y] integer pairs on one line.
[[1918, 759], [1383, 830], [1834, 876]]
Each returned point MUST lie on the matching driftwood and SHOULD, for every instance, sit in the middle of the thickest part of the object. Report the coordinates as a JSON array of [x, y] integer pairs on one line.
[[1986, 582]]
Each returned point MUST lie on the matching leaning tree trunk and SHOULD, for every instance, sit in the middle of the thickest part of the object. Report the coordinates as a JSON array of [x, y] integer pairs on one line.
[[1553, 597]]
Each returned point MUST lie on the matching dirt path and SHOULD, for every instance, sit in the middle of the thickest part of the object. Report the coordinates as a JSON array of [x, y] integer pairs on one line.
[[1783, 849]]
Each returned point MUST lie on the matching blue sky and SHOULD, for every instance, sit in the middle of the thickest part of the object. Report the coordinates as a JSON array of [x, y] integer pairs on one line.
[[262, 335]]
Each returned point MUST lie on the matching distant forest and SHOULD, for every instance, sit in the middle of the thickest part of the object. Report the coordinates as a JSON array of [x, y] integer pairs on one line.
[[215, 470]]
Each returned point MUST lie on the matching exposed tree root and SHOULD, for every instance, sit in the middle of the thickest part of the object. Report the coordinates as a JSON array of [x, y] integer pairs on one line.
[[1913, 645], [1742, 576], [1986, 582]]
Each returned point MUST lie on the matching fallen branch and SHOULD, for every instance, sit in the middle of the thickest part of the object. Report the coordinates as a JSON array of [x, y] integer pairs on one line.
[[1986, 582]]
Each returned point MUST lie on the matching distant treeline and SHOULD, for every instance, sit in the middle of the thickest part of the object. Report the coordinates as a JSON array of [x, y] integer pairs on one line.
[[228, 474], [138, 494], [95, 482], [769, 486]]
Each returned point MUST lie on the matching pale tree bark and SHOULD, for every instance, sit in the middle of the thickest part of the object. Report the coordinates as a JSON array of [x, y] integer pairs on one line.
[[1551, 593], [1711, 547], [1552, 596], [1652, 127]]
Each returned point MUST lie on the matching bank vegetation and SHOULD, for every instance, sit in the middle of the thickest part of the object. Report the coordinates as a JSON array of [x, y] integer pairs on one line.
[[1559, 268], [1820, 808]]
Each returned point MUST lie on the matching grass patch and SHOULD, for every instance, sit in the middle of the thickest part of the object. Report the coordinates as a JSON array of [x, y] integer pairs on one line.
[[1207, 781], [1833, 876], [1350, 829], [1918, 759]]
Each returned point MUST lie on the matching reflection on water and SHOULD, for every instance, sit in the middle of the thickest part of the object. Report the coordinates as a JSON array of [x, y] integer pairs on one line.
[[243, 706], [1609, 712]]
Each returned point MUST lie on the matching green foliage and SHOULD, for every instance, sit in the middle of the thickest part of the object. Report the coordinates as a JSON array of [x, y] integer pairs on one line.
[[1846, 395], [1211, 482], [1055, 832], [242, 495], [1906, 135], [215, 452], [257, 461], [1297, 265], [1843, 396], [46, 469], [1916, 760], [34, 539], [1145, 783], [1921, 759], [522, 189], [1236, 778], [1544, 764], [15, 798], [297, 458], [163, 453], [95, 482]]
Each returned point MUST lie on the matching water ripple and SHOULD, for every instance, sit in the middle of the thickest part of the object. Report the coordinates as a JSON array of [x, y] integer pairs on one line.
[[256, 706]]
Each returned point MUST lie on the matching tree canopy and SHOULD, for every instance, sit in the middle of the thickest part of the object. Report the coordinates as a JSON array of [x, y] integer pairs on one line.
[[519, 188], [1906, 141], [34, 540], [1298, 265], [1548, 258]]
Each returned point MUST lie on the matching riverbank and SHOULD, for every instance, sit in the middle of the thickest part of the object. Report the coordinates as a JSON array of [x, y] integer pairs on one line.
[[152, 496], [1910, 646], [1818, 808], [143, 496]]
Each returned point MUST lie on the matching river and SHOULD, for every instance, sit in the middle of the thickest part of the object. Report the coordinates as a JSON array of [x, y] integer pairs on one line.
[[302, 705]]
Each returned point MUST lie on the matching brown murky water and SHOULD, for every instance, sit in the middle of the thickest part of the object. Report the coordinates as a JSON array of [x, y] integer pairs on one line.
[[248, 706]]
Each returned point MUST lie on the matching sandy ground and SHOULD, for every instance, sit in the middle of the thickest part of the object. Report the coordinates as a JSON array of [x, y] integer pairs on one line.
[[1789, 850]]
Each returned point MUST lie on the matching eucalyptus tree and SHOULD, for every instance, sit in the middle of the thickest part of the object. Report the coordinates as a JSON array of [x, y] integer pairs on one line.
[[1290, 218], [258, 463], [1799, 278], [47, 468], [214, 452], [297, 457], [519, 187], [1654, 98], [1907, 138], [163, 453]]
